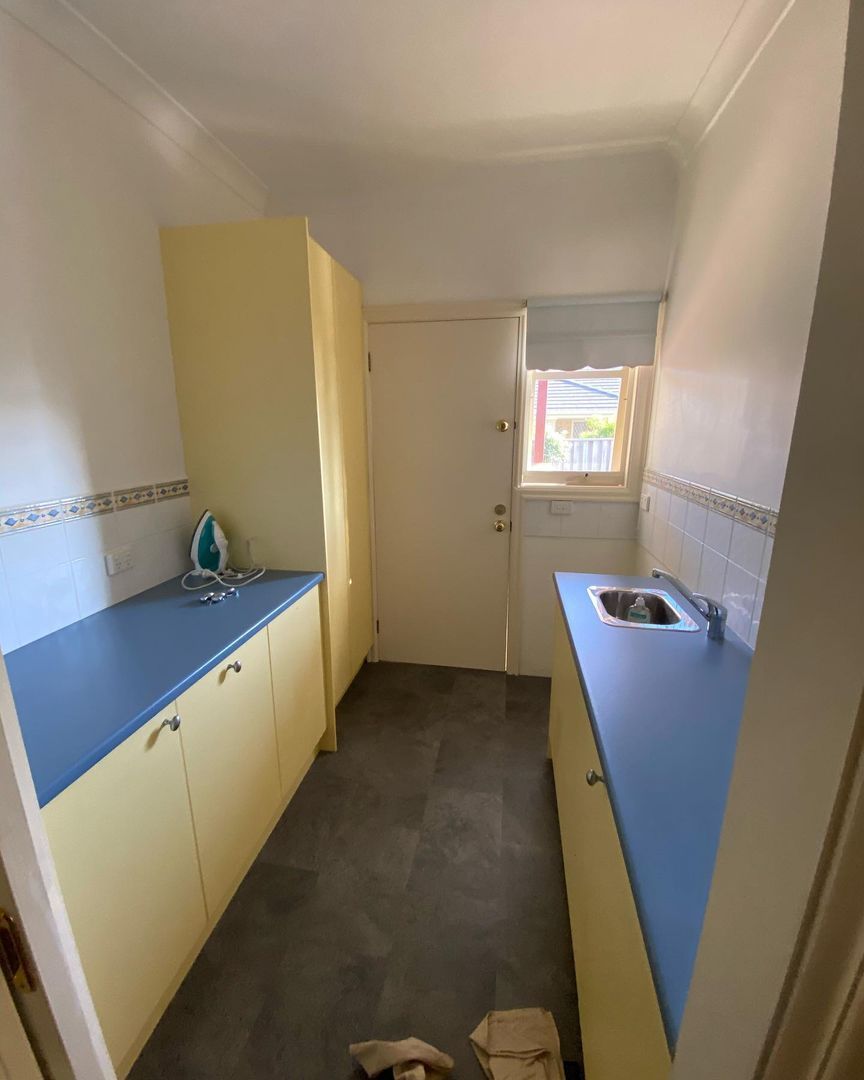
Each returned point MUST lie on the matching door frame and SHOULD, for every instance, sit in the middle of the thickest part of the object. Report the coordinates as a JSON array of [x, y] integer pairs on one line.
[[821, 1010], [457, 312], [67, 1035]]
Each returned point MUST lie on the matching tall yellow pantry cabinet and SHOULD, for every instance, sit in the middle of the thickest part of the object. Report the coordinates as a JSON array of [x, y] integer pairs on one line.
[[267, 338]]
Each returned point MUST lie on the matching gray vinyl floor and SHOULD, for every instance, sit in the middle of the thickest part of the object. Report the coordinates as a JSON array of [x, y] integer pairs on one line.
[[414, 883]]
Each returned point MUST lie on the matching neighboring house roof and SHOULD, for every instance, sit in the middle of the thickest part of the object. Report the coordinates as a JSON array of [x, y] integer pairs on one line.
[[572, 398]]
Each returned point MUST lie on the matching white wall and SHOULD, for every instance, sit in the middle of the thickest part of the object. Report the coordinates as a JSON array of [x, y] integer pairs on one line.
[[505, 231], [509, 231], [593, 538], [589, 225], [88, 401], [751, 222], [802, 715]]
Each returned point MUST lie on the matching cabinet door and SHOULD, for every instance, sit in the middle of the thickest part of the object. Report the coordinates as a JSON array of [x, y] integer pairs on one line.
[[563, 747], [332, 467], [340, 380], [351, 368], [124, 848], [297, 666], [229, 741], [622, 1031]]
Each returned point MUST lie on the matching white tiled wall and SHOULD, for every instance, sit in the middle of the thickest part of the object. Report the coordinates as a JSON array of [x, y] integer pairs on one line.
[[53, 575], [593, 538], [711, 552]]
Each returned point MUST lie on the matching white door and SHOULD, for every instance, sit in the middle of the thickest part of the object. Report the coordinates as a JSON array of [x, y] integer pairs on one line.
[[441, 393]]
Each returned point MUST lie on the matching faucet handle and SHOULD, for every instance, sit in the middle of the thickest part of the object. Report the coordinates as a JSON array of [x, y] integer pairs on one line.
[[716, 612], [716, 616]]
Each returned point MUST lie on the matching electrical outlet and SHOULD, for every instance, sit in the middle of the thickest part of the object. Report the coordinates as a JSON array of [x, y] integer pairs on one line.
[[645, 502], [119, 560], [560, 508]]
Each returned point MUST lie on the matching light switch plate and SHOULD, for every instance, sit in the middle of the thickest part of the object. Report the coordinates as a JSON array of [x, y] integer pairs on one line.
[[645, 502], [119, 560], [560, 507]]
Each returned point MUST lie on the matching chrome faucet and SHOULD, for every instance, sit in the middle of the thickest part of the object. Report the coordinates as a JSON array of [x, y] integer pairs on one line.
[[713, 611]]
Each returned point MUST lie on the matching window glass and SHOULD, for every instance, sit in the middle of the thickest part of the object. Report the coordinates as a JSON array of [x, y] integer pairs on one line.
[[573, 420]]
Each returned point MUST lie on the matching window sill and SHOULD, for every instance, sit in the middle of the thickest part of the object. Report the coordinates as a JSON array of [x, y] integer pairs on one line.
[[587, 493]]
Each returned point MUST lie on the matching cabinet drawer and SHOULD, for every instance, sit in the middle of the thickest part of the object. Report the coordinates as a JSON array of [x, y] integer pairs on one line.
[[297, 666], [124, 849], [229, 743]]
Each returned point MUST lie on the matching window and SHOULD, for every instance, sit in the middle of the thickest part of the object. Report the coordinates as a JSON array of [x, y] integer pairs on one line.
[[577, 426]]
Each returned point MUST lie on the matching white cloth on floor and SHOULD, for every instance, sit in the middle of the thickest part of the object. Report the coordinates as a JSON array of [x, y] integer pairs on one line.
[[519, 1044], [410, 1059]]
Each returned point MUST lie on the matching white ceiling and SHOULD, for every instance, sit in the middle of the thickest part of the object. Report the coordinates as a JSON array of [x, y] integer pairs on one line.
[[339, 94]]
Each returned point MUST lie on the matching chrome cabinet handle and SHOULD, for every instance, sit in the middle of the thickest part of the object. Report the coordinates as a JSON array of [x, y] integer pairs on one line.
[[592, 778], [173, 723], [236, 666]]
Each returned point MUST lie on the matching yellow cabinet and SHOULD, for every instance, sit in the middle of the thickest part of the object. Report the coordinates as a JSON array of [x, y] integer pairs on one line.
[[298, 686], [124, 847], [229, 743], [259, 305], [340, 376], [622, 1030]]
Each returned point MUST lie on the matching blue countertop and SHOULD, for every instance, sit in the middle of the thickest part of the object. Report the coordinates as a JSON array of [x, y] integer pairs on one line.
[[81, 691], [665, 708]]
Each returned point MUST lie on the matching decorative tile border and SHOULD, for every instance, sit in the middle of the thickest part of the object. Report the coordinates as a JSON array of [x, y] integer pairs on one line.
[[172, 489], [763, 518], [83, 506], [129, 497], [721, 503], [74, 508], [31, 516], [700, 495]]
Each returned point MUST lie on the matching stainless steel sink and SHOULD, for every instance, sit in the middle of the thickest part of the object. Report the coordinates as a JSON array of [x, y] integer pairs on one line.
[[612, 605]]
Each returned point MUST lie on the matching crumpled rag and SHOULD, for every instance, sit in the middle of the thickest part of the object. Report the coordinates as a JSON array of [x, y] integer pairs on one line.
[[519, 1044], [410, 1059]]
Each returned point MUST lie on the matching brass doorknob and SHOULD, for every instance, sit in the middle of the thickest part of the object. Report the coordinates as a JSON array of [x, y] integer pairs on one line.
[[500, 525], [503, 425]]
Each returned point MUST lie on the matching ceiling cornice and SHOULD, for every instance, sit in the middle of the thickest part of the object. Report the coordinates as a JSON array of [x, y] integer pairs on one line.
[[749, 33], [62, 27]]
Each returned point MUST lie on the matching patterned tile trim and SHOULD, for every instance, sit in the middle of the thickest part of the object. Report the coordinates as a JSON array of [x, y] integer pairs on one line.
[[129, 497], [83, 506], [172, 489], [724, 504], [31, 516], [36, 515], [763, 518]]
